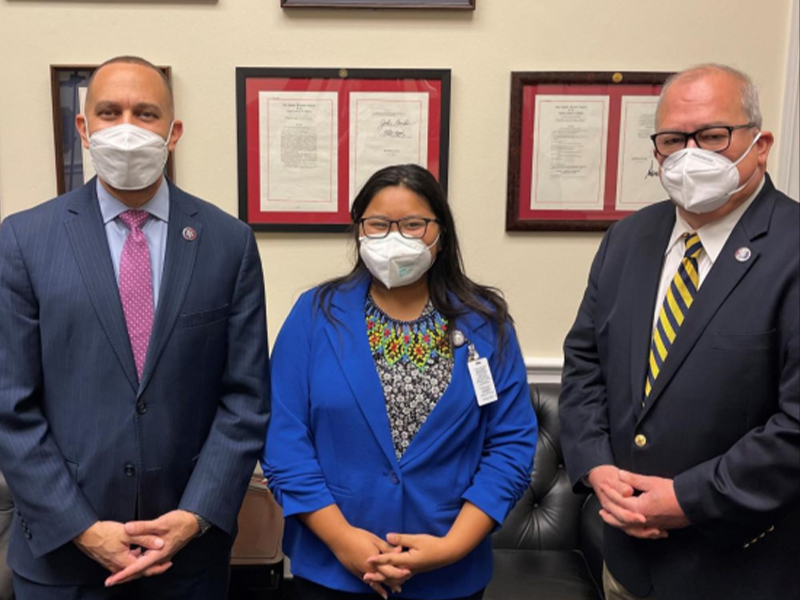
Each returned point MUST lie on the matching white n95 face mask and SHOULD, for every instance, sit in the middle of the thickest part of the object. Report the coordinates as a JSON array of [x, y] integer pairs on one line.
[[394, 260], [128, 157], [701, 180]]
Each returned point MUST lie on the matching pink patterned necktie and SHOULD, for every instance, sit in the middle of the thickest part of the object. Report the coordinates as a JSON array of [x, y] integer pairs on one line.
[[136, 286]]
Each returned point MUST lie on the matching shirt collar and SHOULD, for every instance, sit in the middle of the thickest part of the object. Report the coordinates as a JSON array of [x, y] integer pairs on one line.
[[714, 235], [111, 207]]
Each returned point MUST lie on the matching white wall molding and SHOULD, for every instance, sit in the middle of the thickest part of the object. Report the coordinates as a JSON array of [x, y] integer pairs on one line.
[[788, 180], [544, 370]]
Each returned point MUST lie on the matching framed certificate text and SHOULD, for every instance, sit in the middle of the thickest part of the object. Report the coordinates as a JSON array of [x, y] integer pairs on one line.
[[580, 155], [308, 139]]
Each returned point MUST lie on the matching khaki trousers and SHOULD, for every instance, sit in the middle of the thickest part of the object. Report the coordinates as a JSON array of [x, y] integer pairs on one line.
[[614, 589]]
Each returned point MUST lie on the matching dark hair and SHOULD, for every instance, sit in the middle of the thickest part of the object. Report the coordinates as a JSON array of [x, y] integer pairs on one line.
[[452, 293], [134, 60]]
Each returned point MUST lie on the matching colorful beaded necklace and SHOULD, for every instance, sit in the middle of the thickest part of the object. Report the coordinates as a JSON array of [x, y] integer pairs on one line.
[[407, 341]]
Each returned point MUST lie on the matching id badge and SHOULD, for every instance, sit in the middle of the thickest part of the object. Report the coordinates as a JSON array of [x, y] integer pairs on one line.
[[482, 379]]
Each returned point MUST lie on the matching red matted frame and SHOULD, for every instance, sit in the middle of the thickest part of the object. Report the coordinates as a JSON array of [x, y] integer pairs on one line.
[[252, 80], [525, 86]]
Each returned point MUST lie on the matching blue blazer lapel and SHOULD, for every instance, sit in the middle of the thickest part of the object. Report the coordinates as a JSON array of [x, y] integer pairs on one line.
[[178, 268], [89, 244], [459, 396], [645, 274], [721, 280], [351, 347]]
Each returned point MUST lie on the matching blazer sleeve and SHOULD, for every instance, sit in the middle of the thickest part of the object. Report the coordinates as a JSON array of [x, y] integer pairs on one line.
[[290, 460], [226, 462], [583, 414], [504, 471], [736, 496], [50, 505]]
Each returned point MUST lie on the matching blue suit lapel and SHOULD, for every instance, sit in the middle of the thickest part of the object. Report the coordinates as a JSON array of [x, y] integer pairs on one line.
[[721, 280], [459, 396], [89, 244], [349, 339], [178, 269], [647, 261]]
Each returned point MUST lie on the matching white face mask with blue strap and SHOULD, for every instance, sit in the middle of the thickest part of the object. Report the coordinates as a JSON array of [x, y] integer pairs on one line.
[[700, 180]]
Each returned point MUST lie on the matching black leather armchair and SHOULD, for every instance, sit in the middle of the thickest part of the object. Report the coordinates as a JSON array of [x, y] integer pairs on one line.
[[549, 547]]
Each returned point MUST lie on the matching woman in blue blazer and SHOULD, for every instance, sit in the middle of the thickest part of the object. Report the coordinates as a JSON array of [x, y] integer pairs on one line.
[[391, 464]]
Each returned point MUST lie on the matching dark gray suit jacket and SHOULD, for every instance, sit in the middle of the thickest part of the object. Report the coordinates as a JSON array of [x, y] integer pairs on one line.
[[80, 438], [723, 418]]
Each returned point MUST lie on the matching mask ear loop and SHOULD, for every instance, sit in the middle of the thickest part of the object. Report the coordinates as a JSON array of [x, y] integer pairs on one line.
[[172, 124], [86, 126], [750, 147], [740, 159], [436, 241]]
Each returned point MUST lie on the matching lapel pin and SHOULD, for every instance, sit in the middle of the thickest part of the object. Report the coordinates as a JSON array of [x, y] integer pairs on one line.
[[743, 254], [189, 234], [458, 338]]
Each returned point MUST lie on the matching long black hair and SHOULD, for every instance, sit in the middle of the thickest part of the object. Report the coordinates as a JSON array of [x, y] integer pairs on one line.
[[452, 293]]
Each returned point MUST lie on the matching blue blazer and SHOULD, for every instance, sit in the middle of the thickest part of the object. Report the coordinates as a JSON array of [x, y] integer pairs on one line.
[[330, 442], [722, 417], [81, 439]]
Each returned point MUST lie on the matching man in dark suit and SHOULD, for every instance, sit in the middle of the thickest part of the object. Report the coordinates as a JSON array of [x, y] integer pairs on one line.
[[133, 366], [681, 385]]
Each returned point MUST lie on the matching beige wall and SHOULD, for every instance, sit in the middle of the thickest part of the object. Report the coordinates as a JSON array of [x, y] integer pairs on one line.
[[543, 275]]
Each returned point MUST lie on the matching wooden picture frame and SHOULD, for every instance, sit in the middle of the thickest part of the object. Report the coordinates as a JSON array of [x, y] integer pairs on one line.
[[308, 139], [579, 155], [425, 4]]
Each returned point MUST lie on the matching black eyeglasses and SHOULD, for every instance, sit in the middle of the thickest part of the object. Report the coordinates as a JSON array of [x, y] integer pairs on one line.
[[409, 227], [716, 138]]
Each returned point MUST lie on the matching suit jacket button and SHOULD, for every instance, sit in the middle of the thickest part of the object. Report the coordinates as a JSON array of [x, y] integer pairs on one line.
[[640, 441], [394, 478], [28, 535], [130, 470], [141, 407]]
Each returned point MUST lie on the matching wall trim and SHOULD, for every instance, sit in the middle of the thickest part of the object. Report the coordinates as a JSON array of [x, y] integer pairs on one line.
[[789, 142], [544, 370]]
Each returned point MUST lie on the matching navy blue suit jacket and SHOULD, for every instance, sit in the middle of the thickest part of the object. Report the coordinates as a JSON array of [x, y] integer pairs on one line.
[[82, 439], [330, 442], [723, 418]]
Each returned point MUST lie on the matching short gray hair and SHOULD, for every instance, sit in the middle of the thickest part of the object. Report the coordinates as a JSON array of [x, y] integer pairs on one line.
[[750, 104]]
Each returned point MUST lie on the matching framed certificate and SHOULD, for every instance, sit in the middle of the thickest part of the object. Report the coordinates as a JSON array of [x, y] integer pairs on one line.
[[437, 4], [68, 84], [308, 139], [580, 155]]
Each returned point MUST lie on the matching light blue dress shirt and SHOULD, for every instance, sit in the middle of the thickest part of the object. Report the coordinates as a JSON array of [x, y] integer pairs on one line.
[[155, 230]]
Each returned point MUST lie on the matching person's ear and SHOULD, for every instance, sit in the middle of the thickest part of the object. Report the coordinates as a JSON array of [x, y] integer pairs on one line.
[[82, 125], [177, 132]]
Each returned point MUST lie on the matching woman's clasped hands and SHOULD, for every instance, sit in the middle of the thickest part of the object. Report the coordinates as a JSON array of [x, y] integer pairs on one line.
[[355, 550]]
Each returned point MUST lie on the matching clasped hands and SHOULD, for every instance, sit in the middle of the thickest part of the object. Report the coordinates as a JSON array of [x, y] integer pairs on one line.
[[138, 548], [386, 565], [648, 515]]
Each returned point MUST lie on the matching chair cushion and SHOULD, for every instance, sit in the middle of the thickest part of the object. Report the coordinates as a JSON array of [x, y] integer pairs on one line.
[[540, 574]]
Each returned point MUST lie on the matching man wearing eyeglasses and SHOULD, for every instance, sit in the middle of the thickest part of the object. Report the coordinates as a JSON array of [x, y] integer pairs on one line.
[[681, 385]]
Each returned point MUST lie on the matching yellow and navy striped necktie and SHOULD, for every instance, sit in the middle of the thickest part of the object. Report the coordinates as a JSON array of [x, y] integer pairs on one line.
[[677, 302]]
